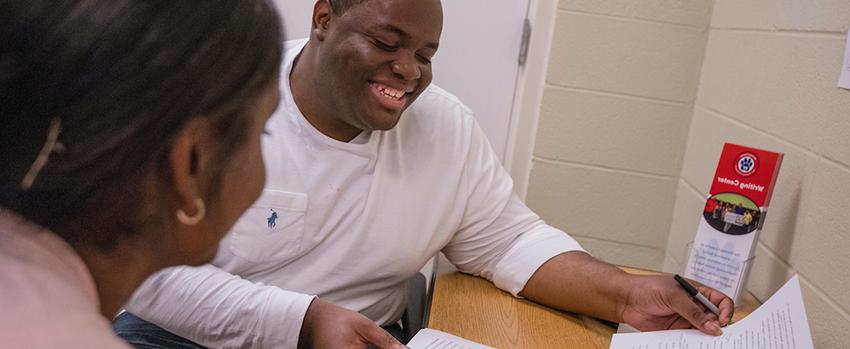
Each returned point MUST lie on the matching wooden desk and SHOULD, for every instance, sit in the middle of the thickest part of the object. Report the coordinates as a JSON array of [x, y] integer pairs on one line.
[[473, 308]]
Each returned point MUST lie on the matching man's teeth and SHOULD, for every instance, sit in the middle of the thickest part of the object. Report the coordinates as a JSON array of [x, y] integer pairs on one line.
[[390, 92]]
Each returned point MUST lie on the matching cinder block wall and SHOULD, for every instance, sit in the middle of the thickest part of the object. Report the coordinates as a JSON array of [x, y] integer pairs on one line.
[[769, 80], [624, 155], [621, 83]]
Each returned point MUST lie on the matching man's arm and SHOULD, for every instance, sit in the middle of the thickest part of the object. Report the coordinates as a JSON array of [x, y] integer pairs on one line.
[[498, 238], [220, 310], [504, 241], [577, 282], [217, 309]]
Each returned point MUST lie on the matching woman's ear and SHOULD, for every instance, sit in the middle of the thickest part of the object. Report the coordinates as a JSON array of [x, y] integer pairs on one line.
[[322, 13], [193, 169], [190, 161]]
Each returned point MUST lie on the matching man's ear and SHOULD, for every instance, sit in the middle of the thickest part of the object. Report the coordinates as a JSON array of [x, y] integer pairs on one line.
[[322, 13]]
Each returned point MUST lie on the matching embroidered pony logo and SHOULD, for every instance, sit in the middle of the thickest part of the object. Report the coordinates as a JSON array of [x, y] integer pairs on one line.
[[272, 219]]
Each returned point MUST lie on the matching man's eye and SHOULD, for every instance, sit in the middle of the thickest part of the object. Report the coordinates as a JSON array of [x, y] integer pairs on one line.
[[384, 46], [424, 59]]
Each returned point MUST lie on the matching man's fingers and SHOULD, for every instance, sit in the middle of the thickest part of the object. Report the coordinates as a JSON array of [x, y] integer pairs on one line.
[[680, 324], [724, 303], [379, 337], [703, 321]]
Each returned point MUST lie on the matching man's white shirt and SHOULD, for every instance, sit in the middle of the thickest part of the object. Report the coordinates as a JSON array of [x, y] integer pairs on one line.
[[351, 222]]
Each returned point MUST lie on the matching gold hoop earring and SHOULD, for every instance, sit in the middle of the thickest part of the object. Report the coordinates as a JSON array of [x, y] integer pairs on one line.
[[197, 217]]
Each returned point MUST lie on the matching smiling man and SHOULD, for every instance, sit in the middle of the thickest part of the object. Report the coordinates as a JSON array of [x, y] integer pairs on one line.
[[367, 66], [371, 171]]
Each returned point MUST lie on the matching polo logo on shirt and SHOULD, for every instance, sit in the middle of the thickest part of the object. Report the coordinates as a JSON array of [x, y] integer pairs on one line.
[[272, 219]]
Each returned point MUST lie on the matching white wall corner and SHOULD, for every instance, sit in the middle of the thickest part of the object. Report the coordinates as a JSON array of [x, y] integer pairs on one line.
[[531, 81]]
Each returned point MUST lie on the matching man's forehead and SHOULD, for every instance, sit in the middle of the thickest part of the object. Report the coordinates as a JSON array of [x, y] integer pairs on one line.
[[340, 6], [421, 6], [406, 18], [389, 27]]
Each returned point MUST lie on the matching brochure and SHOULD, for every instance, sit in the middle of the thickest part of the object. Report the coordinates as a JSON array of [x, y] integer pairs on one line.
[[732, 218]]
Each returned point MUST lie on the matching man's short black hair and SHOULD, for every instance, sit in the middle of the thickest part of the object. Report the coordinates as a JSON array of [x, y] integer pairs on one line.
[[340, 6]]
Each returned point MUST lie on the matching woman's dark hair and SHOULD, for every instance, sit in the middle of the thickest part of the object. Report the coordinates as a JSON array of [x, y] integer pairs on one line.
[[118, 79]]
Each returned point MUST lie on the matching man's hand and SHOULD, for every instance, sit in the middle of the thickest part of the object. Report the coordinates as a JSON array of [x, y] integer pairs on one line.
[[329, 326], [657, 302]]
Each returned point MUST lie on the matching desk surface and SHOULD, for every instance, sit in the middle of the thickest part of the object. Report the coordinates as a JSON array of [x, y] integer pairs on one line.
[[473, 308]]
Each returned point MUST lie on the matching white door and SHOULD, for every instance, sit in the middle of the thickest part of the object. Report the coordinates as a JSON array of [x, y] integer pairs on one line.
[[477, 60]]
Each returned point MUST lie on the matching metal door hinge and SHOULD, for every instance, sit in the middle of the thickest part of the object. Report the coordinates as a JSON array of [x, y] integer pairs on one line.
[[523, 46]]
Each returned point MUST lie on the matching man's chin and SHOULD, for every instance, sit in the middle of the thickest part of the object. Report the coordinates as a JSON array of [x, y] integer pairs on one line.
[[385, 123]]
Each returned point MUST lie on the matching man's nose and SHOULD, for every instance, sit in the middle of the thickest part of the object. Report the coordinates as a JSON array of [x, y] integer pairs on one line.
[[407, 70]]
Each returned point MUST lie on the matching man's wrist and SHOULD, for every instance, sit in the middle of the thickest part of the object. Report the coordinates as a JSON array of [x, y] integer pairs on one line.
[[624, 284], [305, 337], [612, 283]]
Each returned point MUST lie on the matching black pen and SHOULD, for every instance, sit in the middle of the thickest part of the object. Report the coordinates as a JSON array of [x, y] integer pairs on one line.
[[693, 292]]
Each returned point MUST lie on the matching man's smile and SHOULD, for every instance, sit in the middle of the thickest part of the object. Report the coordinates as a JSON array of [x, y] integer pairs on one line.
[[390, 97]]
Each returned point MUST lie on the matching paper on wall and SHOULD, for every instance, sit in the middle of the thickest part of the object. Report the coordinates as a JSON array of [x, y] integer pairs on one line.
[[844, 79]]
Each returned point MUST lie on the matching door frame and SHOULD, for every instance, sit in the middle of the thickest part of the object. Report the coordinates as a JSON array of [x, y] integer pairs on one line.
[[528, 95]]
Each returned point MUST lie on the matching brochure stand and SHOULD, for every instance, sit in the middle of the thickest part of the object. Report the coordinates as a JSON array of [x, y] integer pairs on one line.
[[723, 249], [735, 271]]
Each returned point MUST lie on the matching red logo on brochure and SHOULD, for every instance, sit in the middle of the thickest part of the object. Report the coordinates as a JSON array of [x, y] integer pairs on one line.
[[746, 164], [746, 171]]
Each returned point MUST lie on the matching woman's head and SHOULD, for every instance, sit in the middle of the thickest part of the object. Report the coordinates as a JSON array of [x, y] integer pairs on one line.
[[118, 113]]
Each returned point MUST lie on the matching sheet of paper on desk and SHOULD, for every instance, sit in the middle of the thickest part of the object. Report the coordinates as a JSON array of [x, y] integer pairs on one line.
[[844, 78], [427, 338], [778, 323]]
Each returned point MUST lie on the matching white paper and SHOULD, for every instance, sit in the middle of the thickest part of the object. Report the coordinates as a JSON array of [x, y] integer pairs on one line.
[[844, 80], [427, 338], [625, 328], [779, 323]]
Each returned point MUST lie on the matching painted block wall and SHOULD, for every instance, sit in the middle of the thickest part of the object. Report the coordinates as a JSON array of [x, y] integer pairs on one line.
[[769, 80], [639, 99], [621, 83]]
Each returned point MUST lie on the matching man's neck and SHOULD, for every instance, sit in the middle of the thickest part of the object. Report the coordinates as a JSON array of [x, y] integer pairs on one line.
[[308, 96]]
